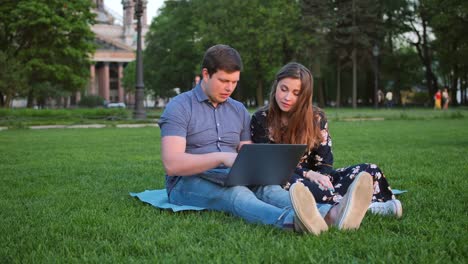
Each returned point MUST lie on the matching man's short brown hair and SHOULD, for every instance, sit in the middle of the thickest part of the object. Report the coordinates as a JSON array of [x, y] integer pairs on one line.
[[222, 57]]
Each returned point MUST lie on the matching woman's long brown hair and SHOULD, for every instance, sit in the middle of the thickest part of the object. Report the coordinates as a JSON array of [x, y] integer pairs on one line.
[[302, 127]]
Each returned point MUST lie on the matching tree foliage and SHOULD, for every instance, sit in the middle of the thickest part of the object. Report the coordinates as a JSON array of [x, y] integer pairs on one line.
[[264, 32], [12, 81], [129, 77], [333, 38], [51, 40], [422, 38], [46, 45], [171, 55], [451, 42]]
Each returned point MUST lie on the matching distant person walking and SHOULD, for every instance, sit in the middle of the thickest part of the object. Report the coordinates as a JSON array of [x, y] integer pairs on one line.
[[445, 98], [196, 80], [437, 100], [380, 97], [389, 99]]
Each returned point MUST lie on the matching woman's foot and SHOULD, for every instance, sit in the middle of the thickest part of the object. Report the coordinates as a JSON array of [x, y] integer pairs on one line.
[[307, 217], [348, 214], [388, 208]]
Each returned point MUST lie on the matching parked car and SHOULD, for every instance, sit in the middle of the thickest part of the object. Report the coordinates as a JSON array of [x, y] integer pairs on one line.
[[116, 105]]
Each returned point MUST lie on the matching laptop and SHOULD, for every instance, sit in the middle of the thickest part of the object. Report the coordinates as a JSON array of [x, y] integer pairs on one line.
[[259, 164]]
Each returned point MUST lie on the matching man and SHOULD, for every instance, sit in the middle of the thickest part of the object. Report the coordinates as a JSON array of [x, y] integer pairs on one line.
[[196, 80], [389, 98], [204, 128]]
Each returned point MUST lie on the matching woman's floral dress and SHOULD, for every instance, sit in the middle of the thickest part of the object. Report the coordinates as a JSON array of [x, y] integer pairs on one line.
[[320, 159]]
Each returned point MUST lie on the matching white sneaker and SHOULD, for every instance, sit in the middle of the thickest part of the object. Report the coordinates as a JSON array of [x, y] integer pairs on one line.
[[307, 218], [353, 206], [390, 207]]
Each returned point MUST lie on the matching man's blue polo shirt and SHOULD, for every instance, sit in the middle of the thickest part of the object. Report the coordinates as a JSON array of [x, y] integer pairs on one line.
[[206, 128]]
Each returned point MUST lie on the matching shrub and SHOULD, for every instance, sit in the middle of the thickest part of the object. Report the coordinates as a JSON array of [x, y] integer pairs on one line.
[[105, 114], [91, 101]]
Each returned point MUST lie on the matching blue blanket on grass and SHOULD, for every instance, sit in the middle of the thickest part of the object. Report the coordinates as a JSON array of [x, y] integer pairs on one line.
[[159, 199]]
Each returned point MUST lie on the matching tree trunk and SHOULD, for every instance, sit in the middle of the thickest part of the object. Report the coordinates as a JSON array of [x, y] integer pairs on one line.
[[30, 99], [318, 81], [353, 55], [2, 100], [320, 93], [422, 47], [376, 83], [287, 52], [338, 83], [453, 86], [463, 85], [354, 77], [8, 100], [238, 94], [398, 81], [259, 93]]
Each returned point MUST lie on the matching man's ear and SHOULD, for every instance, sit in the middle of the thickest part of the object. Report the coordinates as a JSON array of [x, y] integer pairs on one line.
[[205, 74]]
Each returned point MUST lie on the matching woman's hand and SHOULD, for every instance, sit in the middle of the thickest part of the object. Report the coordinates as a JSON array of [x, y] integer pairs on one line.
[[320, 179]]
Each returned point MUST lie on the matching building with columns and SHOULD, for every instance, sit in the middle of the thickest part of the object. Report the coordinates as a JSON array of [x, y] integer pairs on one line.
[[115, 47]]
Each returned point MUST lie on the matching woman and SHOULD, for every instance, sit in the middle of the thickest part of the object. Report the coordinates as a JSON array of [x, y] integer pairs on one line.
[[445, 99], [290, 118], [437, 99]]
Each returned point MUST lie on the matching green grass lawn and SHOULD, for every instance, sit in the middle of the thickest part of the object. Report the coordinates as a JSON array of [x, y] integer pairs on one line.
[[65, 198], [23, 118]]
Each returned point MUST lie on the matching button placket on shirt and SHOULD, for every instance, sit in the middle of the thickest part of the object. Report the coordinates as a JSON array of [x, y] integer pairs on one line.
[[218, 128]]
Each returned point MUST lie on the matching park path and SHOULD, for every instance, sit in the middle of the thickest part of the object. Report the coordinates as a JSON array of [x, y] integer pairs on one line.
[[89, 126], [156, 125]]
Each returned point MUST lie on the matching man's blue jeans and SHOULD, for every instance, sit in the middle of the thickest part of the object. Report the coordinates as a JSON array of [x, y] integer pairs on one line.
[[269, 205]]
